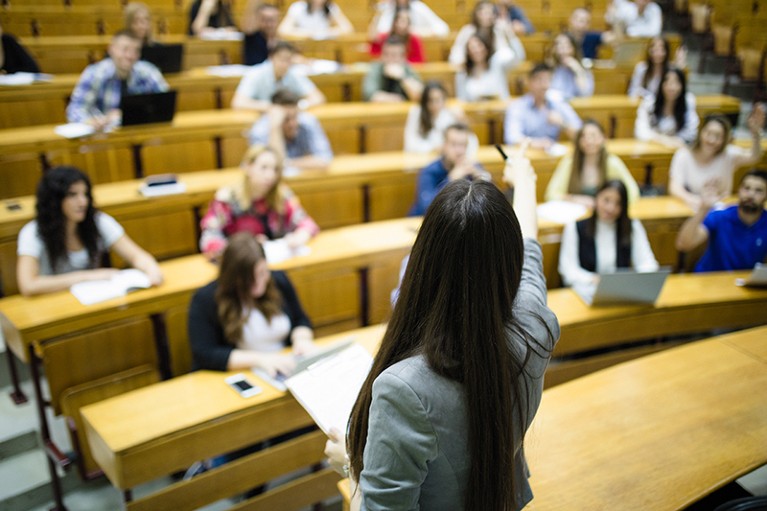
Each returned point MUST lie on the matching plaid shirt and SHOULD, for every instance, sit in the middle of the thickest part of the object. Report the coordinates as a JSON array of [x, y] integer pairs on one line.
[[225, 217], [98, 90]]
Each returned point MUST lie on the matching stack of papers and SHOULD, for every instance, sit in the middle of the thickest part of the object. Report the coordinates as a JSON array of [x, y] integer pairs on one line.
[[122, 283]]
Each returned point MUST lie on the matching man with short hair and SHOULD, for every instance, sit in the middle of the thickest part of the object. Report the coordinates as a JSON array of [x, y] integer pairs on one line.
[[579, 26], [736, 235], [259, 84], [96, 97], [297, 135], [260, 27], [391, 79], [453, 164], [538, 116]]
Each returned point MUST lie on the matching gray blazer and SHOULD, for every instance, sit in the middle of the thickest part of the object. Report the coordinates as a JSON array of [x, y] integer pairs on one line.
[[416, 456]]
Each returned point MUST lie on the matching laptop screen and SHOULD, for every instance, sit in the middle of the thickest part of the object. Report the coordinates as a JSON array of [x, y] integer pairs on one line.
[[148, 108]]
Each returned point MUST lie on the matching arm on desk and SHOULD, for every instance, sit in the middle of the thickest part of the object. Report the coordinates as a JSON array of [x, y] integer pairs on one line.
[[138, 258]]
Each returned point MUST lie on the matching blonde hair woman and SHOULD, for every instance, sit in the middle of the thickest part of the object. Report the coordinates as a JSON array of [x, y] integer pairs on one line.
[[260, 204]]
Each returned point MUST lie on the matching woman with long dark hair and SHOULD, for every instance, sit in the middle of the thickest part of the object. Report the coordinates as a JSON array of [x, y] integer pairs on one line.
[[507, 52], [399, 27], [607, 240], [313, 19], [649, 72], [480, 78], [670, 117], [426, 122], [712, 160], [248, 315], [578, 177], [69, 238], [440, 421]]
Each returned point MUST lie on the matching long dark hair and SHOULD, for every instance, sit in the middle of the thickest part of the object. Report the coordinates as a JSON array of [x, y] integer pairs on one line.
[[51, 223], [651, 64], [325, 8], [680, 105], [235, 281], [425, 121], [576, 170], [489, 47], [455, 313], [484, 31], [623, 224]]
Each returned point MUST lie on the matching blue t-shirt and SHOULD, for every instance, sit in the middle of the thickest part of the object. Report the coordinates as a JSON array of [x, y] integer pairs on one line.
[[732, 245]]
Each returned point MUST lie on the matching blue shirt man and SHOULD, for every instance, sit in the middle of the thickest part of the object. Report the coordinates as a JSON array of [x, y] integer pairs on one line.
[[737, 235], [297, 136], [538, 116], [453, 164], [96, 97]]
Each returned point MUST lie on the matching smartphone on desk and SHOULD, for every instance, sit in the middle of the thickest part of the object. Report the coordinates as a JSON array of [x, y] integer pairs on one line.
[[240, 383]]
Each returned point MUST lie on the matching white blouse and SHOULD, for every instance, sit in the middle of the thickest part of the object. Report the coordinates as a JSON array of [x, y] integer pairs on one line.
[[693, 175], [258, 334], [666, 125], [574, 275]]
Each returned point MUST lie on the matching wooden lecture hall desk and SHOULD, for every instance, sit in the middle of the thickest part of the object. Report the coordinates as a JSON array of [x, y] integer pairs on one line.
[[198, 89], [168, 226], [201, 140], [660, 432]]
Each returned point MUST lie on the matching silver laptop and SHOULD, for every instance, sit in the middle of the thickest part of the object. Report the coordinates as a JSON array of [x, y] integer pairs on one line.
[[627, 287], [302, 364], [758, 277]]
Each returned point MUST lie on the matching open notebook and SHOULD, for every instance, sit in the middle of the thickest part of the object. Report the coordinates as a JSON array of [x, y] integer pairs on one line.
[[757, 278], [327, 384], [95, 291], [626, 287]]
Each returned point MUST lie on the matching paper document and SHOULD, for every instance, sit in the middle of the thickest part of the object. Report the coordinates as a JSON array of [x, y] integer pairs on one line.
[[278, 250], [74, 130], [561, 212], [328, 389], [96, 291]]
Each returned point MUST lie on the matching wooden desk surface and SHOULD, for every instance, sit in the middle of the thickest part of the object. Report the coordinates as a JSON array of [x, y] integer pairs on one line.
[[166, 412], [30, 320], [629, 404], [656, 433]]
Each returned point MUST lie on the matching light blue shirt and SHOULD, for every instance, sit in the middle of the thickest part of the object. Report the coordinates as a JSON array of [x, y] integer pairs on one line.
[[310, 140], [523, 120], [260, 83], [563, 81]]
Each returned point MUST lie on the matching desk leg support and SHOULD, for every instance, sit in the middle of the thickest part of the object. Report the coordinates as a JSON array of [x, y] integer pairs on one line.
[[17, 395], [54, 457], [161, 342], [364, 298]]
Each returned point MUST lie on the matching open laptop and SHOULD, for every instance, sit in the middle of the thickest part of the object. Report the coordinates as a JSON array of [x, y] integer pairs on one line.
[[148, 108], [302, 364], [629, 51], [167, 57], [757, 278], [627, 287]]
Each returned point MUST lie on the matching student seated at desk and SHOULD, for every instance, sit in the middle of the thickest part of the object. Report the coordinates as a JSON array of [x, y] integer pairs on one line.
[[318, 19], [579, 27], [647, 75], [210, 15], [736, 235], [569, 78], [401, 28], [391, 79], [13, 57], [259, 24], [453, 164], [298, 136], [96, 98], [260, 205], [604, 242], [248, 315], [257, 87], [670, 117], [539, 116], [578, 177], [69, 238], [138, 21], [441, 419], [426, 122], [712, 159], [481, 78], [425, 23], [506, 50]]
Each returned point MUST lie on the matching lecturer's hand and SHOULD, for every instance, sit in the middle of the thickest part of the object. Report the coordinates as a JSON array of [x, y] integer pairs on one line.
[[335, 450]]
